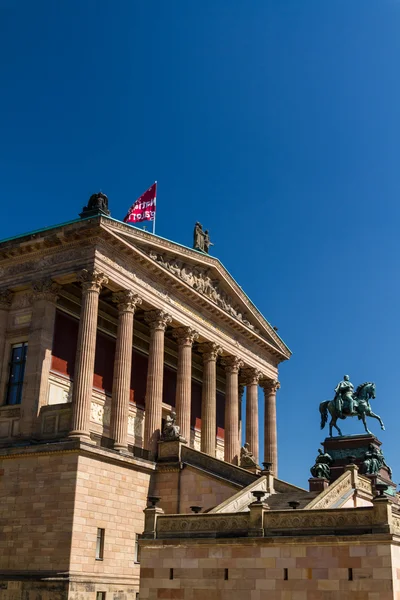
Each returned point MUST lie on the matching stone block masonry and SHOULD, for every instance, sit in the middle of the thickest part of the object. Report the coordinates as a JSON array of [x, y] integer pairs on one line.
[[53, 501]]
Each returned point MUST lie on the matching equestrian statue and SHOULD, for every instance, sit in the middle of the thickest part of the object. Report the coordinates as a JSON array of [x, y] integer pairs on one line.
[[349, 403]]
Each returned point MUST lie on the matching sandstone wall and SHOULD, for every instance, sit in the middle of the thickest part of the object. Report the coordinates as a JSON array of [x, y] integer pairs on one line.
[[256, 570]]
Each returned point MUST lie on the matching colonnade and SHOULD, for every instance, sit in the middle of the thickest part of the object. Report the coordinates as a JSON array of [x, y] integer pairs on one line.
[[237, 375]]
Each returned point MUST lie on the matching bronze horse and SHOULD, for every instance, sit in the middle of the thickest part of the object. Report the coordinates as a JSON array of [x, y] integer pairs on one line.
[[362, 408]]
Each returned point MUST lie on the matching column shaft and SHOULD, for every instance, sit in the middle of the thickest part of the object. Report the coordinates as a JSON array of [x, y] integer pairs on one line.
[[158, 321], [85, 353], [209, 398], [38, 357], [127, 302], [231, 441], [185, 337], [270, 433], [252, 379]]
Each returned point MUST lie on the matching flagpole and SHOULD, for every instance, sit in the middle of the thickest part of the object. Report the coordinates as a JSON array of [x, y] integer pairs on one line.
[[155, 207]]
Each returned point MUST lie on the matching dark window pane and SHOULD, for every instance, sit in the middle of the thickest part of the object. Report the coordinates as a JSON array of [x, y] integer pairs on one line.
[[16, 373]]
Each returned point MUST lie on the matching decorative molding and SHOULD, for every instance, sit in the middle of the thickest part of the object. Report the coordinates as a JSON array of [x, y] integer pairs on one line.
[[270, 386], [210, 351], [158, 320], [126, 300], [199, 279], [92, 280], [185, 335], [45, 289], [204, 523], [299, 520], [251, 376], [232, 364], [332, 493]]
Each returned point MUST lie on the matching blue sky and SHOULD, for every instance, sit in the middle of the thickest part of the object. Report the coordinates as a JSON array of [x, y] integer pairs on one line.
[[275, 124]]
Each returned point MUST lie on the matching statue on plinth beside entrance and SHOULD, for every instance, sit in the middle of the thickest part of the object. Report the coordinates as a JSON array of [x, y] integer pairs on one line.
[[246, 457], [171, 431], [322, 467], [349, 403]]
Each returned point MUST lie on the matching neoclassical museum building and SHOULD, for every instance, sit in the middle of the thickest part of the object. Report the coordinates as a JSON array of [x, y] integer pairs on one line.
[[107, 331]]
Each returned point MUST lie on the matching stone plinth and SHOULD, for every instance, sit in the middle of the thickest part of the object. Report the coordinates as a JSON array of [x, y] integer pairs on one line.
[[169, 450], [317, 484], [351, 448]]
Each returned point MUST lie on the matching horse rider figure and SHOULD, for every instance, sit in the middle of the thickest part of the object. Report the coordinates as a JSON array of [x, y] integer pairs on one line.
[[344, 400]]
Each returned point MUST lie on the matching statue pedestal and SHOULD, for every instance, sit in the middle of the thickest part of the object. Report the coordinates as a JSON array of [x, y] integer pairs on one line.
[[318, 484], [351, 449]]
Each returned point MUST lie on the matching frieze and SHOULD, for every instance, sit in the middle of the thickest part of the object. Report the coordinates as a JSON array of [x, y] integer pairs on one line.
[[333, 519], [100, 414], [241, 500], [205, 523]]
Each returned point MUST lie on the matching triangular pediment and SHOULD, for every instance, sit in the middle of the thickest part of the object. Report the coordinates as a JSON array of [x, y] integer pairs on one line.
[[203, 274]]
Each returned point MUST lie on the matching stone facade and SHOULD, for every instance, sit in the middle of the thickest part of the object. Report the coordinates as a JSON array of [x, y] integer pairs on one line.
[[115, 337]]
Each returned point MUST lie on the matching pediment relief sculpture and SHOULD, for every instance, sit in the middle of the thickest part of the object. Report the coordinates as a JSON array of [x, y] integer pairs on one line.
[[200, 279]]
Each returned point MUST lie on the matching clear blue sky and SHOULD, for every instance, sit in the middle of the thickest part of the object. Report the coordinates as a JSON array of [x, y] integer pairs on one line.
[[274, 123]]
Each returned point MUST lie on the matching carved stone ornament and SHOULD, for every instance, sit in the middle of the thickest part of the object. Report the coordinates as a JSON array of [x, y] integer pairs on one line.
[[158, 319], [45, 289], [5, 299], [92, 280], [185, 335], [232, 364], [199, 279], [126, 300], [251, 376], [97, 205], [270, 386], [210, 351]]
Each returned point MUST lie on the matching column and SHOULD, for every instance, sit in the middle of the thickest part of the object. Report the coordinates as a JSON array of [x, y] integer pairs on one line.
[[210, 352], [252, 377], [240, 397], [270, 387], [92, 281], [158, 321], [231, 442], [185, 336], [127, 302], [5, 303], [38, 357]]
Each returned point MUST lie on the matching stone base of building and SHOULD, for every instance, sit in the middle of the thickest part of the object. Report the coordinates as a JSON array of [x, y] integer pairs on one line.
[[56, 587]]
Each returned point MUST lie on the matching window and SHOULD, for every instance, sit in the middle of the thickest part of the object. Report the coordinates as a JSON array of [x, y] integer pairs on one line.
[[100, 547], [16, 373], [137, 549], [101, 596]]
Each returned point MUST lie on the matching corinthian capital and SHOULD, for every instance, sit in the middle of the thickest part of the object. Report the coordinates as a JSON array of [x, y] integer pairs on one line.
[[92, 280], [185, 335], [251, 376], [5, 299], [232, 364], [270, 386], [45, 289], [210, 351], [126, 300], [158, 320]]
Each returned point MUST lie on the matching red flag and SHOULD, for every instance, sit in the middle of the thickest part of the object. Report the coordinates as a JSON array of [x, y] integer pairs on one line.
[[144, 209]]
